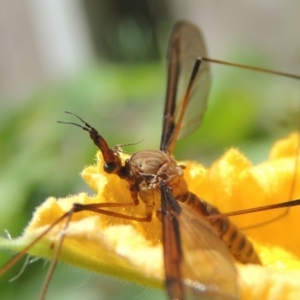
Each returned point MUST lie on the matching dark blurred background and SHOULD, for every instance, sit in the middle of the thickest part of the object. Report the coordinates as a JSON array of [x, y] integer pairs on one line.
[[105, 60]]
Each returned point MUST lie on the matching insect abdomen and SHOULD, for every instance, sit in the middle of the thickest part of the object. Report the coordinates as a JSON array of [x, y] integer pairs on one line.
[[237, 242]]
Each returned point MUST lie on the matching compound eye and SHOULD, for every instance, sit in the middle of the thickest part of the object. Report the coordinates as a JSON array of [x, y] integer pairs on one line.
[[109, 168]]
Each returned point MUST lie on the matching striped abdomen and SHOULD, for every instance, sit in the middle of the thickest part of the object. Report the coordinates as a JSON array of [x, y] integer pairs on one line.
[[237, 242]]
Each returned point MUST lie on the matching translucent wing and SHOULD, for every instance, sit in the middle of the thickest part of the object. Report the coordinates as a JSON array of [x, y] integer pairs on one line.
[[208, 266], [185, 46], [197, 262]]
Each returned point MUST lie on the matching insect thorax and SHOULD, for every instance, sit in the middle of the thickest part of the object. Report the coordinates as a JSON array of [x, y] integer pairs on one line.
[[150, 168]]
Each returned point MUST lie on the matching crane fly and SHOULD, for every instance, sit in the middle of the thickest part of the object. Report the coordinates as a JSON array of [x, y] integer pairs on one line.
[[198, 247]]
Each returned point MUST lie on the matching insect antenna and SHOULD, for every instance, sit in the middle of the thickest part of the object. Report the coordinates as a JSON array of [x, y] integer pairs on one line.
[[112, 161], [87, 126]]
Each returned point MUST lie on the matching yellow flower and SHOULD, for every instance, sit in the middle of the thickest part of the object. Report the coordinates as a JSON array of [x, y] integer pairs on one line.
[[133, 250]]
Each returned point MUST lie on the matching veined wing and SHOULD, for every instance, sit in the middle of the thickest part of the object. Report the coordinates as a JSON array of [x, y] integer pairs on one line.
[[197, 262], [185, 46], [208, 266]]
